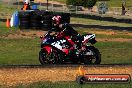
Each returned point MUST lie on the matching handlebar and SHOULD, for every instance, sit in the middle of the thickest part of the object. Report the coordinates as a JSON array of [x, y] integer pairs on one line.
[[57, 35]]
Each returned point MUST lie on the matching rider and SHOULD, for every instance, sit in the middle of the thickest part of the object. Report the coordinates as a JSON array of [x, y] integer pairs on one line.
[[66, 29], [26, 5]]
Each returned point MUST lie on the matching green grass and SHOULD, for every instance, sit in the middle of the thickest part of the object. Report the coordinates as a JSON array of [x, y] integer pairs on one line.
[[62, 1], [19, 51], [120, 34], [113, 36], [25, 51], [115, 52], [72, 85], [5, 31], [6, 9], [98, 22], [117, 3]]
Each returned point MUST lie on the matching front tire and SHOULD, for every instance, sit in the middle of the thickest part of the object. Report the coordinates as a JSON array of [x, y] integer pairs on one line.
[[42, 58], [46, 58], [95, 58]]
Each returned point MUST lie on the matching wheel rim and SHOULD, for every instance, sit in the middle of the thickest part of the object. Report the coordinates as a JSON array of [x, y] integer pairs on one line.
[[49, 58], [91, 59]]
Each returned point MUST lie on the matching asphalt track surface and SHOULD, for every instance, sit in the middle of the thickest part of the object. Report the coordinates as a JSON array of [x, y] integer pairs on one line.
[[11, 75]]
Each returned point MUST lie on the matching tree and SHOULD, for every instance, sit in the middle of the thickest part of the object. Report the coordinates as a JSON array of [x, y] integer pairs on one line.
[[71, 2], [85, 3], [89, 3]]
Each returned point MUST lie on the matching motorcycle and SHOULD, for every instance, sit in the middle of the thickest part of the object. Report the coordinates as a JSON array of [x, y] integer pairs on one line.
[[59, 49]]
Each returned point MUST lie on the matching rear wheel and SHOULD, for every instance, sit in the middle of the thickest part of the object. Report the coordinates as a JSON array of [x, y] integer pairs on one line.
[[92, 56], [45, 58]]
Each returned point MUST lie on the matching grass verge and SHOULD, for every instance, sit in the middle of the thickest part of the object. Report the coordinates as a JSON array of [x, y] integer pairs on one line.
[[98, 22], [72, 85], [61, 1], [25, 51], [19, 51]]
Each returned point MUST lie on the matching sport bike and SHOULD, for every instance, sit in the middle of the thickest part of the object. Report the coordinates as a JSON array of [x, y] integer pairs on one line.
[[60, 49]]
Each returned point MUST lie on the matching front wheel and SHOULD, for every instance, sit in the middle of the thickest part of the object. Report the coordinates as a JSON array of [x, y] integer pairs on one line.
[[46, 58], [92, 55]]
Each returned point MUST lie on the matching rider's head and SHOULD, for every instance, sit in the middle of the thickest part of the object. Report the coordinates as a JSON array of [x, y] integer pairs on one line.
[[27, 1], [57, 19]]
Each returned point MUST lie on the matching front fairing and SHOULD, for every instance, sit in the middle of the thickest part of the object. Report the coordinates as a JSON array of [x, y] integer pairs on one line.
[[48, 40]]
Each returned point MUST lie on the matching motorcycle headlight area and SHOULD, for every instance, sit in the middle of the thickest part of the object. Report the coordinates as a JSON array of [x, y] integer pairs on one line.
[[45, 40]]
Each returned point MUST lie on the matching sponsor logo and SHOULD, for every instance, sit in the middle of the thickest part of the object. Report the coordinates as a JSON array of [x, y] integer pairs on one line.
[[101, 78], [107, 78]]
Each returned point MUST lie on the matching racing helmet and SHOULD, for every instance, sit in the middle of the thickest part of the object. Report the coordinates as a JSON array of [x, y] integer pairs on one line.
[[57, 19], [27, 1]]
